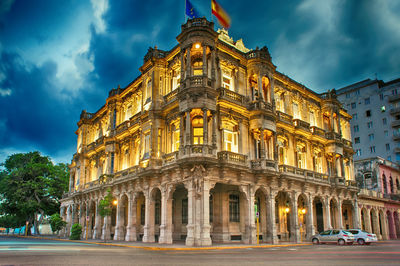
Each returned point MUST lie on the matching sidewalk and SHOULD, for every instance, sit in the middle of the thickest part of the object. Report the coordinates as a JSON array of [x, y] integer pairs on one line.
[[179, 245]]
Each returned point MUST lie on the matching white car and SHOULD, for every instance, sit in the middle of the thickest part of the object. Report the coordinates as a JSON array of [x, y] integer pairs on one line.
[[362, 237], [341, 237]]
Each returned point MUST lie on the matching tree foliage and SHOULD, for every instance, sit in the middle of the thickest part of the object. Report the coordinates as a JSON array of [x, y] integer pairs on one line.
[[57, 223], [30, 184], [105, 205], [76, 232]]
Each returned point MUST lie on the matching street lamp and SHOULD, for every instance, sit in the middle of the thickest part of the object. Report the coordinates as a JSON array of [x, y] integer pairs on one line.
[[287, 210], [115, 202]]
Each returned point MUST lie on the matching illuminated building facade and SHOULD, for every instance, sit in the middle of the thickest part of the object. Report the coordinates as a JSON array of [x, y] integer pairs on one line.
[[207, 137]]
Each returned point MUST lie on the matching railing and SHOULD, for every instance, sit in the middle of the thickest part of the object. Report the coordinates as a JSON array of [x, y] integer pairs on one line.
[[260, 105], [318, 131], [284, 117], [122, 127], [170, 157], [394, 111], [396, 123], [171, 96], [232, 157], [196, 22], [300, 124], [302, 172], [196, 149], [231, 95], [196, 81], [333, 136], [262, 163], [126, 172], [90, 146]]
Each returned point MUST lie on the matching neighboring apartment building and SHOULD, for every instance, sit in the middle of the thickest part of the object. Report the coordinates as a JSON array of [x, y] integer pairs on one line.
[[375, 109], [379, 197], [208, 137]]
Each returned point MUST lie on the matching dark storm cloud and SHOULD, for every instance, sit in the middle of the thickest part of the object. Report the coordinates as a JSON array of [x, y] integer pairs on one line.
[[32, 112]]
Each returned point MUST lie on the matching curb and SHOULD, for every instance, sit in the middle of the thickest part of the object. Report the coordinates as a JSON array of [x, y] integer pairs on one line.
[[169, 248]]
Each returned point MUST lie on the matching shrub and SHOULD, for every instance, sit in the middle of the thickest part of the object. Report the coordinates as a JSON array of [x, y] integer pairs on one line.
[[57, 223], [76, 232]]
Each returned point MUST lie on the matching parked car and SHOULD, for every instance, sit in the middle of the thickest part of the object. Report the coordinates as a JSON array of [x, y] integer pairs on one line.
[[341, 237], [362, 237]]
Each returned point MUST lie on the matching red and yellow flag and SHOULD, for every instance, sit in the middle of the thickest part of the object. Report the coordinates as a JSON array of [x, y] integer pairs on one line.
[[220, 14]]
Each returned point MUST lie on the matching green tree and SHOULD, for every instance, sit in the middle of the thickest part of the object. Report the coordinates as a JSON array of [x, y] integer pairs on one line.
[[31, 187], [105, 209], [76, 232], [57, 223]]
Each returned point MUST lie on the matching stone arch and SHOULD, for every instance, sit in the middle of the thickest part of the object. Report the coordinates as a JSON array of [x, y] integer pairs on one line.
[[318, 213], [140, 203], [261, 205], [364, 220], [302, 209], [391, 226], [348, 214], [282, 215], [266, 87], [334, 215], [382, 224], [396, 223], [122, 217], [180, 216], [374, 222]]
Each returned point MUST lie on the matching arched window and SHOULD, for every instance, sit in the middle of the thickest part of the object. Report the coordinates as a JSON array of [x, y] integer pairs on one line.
[[397, 185], [282, 150], [197, 67], [301, 155], [197, 124], [391, 185], [384, 184], [266, 89]]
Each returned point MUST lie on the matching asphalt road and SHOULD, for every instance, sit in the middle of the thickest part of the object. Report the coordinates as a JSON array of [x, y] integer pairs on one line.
[[26, 251]]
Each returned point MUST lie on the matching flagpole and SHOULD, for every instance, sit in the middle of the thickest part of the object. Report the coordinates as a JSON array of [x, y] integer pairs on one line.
[[185, 13]]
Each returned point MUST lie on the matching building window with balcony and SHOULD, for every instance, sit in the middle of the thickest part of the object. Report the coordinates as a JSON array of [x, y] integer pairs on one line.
[[197, 124], [384, 121], [280, 102], [371, 137], [312, 119], [387, 145], [317, 160], [175, 138], [282, 150], [384, 184], [353, 105], [367, 101], [357, 140], [372, 149], [368, 113], [234, 208], [355, 128], [230, 140], [355, 117], [358, 152], [296, 111], [197, 67], [146, 146], [176, 79], [227, 80], [301, 155], [370, 124]]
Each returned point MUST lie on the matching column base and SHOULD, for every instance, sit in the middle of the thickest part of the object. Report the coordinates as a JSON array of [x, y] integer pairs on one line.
[[119, 233], [131, 234], [165, 235]]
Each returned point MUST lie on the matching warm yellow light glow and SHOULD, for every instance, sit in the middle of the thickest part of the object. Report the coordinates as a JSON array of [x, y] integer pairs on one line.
[[115, 202], [303, 211], [287, 210], [197, 45]]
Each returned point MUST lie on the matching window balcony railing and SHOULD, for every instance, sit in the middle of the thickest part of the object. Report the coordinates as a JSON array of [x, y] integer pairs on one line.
[[129, 171], [300, 124], [288, 119], [262, 164], [170, 157], [232, 157], [170, 97], [318, 131], [260, 105], [231, 96], [122, 127], [303, 172], [333, 136], [396, 123], [347, 143]]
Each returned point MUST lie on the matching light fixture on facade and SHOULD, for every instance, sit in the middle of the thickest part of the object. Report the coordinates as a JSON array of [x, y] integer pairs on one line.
[[115, 202], [303, 211], [197, 45], [287, 210]]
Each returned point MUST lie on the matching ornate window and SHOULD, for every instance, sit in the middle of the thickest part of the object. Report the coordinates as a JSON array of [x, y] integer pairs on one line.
[[301, 155], [296, 111], [230, 141], [198, 67], [317, 160], [175, 137], [234, 208], [197, 124], [282, 150]]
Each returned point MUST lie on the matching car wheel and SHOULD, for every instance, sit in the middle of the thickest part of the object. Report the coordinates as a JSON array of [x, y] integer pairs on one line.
[[369, 243], [361, 241], [341, 242], [315, 241]]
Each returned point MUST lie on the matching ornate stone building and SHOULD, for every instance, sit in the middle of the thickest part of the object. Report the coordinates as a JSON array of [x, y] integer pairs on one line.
[[207, 137]]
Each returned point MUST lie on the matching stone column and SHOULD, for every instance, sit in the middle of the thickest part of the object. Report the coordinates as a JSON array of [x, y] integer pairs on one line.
[[310, 218], [240, 136], [271, 225], [188, 130], [181, 135], [106, 230], [205, 69], [205, 238], [190, 237], [262, 142], [214, 128], [166, 217], [97, 225], [368, 226], [260, 90], [205, 127], [340, 214], [356, 215], [327, 214], [131, 227], [375, 220], [213, 64], [294, 216], [148, 235], [188, 63], [250, 234], [182, 66], [119, 230]]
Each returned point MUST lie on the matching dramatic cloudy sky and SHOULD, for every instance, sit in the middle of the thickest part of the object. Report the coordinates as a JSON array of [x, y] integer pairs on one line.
[[58, 57]]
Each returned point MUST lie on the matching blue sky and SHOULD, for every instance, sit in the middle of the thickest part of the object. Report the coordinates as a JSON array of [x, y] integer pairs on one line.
[[58, 57]]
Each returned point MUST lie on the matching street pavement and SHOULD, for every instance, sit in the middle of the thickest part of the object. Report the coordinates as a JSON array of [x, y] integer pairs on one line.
[[37, 251]]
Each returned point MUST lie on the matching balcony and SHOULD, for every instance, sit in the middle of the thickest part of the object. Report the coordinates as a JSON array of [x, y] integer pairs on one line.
[[231, 96], [394, 98], [333, 136], [170, 97], [262, 164], [285, 118], [126, 172], [396, 123], [260, 105], [395, 111], [301, 125], [347, 143], [170, 157], [302, 172], [197, 81], [316, 131], [232, 157], [122, 127]]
